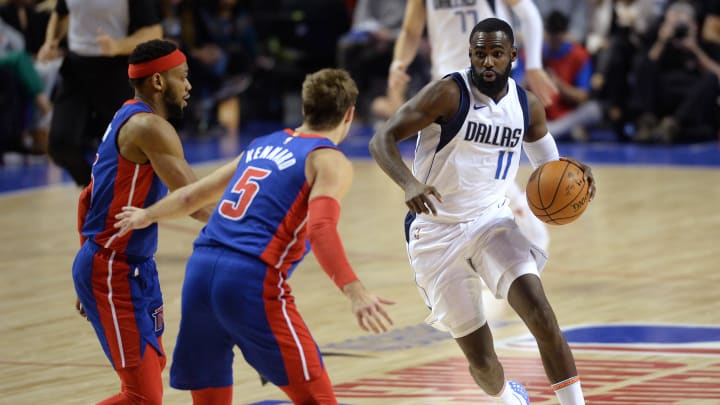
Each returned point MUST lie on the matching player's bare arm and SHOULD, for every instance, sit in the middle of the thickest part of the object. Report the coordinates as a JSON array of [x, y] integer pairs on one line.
[[438, 101], [407, 43], [329, 174], [532, 33], [148, 137], [538, 120], [180, 202]]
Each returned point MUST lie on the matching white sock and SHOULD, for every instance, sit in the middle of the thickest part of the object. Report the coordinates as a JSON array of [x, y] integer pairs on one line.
[[507, 396], [569, 392]]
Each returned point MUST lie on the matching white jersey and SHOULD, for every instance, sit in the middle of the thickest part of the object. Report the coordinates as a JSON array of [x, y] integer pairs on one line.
[[472, 159], [449, 23]]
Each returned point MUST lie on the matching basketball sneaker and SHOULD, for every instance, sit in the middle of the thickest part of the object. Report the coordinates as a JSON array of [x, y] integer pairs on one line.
[[519, 393]]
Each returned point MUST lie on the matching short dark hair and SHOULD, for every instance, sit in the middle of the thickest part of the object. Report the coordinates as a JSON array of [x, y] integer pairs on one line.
[[146, 51], [326, 96], [556, 22], [493, 25]]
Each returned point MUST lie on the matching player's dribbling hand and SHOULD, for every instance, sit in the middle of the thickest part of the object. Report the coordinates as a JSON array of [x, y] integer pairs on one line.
[[417, 198], [368, 308], [587, 171], [131, 218]]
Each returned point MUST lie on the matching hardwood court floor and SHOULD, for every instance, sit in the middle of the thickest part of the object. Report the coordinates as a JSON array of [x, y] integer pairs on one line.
[[646, 252]]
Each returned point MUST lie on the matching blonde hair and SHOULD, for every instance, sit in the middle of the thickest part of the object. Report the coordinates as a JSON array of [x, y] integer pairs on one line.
[[326, 96]]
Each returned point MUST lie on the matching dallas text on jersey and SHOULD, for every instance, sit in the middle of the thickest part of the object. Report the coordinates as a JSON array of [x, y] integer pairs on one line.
[[492, 134]]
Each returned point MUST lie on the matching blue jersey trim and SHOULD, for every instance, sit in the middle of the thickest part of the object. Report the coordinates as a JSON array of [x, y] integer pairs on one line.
[[522, 96], [449, 129], [409, 218]]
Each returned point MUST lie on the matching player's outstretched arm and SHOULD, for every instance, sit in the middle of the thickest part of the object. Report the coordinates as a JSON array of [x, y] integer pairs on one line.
[[153, 138], [329, 174], [180, 202]]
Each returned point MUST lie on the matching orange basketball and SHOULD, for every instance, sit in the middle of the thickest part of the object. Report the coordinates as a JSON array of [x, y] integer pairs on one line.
[[557, 192]]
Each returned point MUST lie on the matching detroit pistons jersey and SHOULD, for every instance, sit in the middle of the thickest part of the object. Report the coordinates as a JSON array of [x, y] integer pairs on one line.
[[117, 182], [472, 159], [449, 23], [263, 211]]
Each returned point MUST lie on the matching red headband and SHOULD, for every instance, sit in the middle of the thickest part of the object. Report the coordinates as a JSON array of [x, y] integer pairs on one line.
[[161, 64]]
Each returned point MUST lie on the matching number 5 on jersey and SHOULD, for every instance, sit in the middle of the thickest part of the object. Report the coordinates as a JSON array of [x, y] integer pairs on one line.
[[246, 187]]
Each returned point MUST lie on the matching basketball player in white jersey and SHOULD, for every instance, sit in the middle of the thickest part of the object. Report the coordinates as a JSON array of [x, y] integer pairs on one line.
[[460, 230], [448, 25]]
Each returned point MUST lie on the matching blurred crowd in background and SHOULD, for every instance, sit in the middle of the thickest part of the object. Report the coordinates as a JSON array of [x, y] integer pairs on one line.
[[646, 71]]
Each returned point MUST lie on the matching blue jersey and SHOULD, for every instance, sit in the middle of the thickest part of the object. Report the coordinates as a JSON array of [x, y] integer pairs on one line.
[[264, 209], [117, 182]]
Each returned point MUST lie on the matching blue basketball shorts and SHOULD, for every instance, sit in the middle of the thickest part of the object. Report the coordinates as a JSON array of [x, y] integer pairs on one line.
[[121, 297], [228, 299]]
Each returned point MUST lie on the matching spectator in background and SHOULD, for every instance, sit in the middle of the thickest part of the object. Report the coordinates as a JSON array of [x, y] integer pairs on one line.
[[18, 66], [100, 36], [30, 18], [576, 12], [697, 113], [676, 82], [366, 50], [222, 48], [618, 32], [711, 25], [294, 37], [569, 66]]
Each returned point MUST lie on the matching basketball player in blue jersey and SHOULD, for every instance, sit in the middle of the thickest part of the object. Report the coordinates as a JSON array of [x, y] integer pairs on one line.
[[460, 230], [283, 189], [115, 276]]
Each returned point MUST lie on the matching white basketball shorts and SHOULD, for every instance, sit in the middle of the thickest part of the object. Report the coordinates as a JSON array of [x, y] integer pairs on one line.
[[451, 262]]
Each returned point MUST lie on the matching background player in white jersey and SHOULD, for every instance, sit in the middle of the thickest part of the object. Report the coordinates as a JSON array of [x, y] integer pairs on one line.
[[473, 125], [448, 25]]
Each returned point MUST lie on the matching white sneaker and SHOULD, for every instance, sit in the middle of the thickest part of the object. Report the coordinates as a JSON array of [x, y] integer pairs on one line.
[[519, 393]]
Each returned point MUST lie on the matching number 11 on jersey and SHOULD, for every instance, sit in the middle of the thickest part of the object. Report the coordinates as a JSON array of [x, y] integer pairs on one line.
[[503, 164]]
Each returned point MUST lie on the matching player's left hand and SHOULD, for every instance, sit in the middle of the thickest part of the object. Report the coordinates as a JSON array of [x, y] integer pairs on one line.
[[368, 308], [587, 171], [542, 85]]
